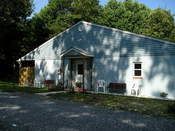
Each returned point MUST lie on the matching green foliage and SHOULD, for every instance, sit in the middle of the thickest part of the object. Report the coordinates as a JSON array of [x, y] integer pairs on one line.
[[61, 14], [36, 32], [135, 17], [160, 24], [163, 94], [172, 36], [88, 10], [130, 16], [54, 9], [12, 24], [13, 20]]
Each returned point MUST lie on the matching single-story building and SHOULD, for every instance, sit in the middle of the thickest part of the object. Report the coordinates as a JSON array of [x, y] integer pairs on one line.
[[86, 53]]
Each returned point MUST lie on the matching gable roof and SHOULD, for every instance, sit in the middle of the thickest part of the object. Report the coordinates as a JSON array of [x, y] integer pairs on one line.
[[75, 51], [31, 54], [131, 33], [46, 43]]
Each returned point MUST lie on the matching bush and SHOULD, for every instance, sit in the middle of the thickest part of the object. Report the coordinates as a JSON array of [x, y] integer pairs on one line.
[[78, 84], [163, 94]]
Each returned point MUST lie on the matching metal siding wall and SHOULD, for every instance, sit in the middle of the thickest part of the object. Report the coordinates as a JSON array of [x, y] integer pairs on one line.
[[101, 42], [158, 75], [46, 70], [114, 53]]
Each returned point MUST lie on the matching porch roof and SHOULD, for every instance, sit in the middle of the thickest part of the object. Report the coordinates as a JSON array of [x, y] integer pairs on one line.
[[75, 52]]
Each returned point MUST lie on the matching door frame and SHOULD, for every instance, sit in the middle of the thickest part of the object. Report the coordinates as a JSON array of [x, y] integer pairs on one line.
[[74, 69]]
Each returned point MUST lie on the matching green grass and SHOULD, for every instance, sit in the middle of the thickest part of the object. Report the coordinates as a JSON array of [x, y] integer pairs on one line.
[[12, 87], [4, 127], [146, 106], [142, 105]]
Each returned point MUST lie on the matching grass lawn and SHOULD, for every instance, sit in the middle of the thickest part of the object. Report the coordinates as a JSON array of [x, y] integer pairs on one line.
[[142, 105], [12, 87], [4, 127], [146, 106]]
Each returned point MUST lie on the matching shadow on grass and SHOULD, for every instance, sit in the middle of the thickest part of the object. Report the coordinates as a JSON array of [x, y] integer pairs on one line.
[[171, 109], [152, 107], [4, 127], [13, 87]]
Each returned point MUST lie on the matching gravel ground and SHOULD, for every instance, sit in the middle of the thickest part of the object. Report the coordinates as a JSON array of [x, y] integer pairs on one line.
[[29, 112]]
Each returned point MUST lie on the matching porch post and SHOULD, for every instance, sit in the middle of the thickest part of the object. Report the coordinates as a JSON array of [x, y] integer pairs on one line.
[[84, 68], [91, 70], [63, 71], [71, 70]]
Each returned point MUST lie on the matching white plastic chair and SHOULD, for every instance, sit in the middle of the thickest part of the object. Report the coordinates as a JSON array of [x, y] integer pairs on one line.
[[37, 84], [135, 91], [101, 84]]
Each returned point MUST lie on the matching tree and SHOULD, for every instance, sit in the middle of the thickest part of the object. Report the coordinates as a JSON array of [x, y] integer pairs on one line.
[[160, 24], [135, 17], [88, 10], [13, 19], [172, 36], [128, 15], [36, 32], [54, 8], [61, 14]]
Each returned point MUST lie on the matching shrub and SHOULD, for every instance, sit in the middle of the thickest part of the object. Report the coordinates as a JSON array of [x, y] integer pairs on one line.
[[163, 94]]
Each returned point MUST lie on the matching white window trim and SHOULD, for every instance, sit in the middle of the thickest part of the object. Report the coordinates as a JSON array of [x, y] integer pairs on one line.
[[137, 77]]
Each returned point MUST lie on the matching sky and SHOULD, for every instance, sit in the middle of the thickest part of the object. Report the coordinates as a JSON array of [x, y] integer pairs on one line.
[[153, 4]]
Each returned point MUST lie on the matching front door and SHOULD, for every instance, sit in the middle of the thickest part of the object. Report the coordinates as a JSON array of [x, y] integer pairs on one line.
[[78, 72]]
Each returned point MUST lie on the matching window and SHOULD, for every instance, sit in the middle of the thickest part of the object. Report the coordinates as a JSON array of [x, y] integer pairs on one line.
[[137, 69]]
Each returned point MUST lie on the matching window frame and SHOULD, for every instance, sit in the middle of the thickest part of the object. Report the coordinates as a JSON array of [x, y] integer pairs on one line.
[[137, 68]]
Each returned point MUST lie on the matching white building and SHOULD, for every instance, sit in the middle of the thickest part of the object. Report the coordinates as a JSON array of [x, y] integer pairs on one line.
[[88, 52]]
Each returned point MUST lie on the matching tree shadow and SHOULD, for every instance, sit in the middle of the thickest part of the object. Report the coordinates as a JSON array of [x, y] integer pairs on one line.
[[36, 112], [115, 52]]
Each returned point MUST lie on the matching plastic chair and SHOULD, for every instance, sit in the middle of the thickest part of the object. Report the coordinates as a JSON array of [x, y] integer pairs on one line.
[[101, 84], [135, 91]]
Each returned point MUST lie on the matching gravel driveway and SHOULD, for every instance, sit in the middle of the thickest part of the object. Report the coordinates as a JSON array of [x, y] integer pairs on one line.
[[29, 112]]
